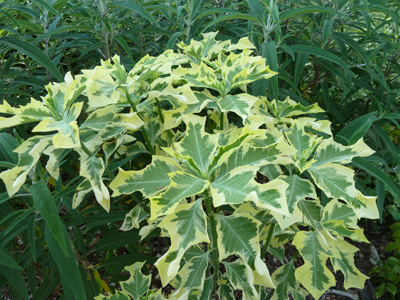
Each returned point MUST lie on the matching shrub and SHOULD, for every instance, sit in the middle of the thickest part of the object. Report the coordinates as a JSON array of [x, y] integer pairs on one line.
[[231, 176]]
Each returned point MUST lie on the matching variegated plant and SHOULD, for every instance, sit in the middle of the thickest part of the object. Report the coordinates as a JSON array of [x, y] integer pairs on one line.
[[232, 175]]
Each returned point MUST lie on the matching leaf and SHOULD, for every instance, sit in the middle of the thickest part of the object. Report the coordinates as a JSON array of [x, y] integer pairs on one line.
[[136, 8], [238, 235], [329, 151], [285, 281], [33, 52], [241, 278], [192, 275], [16, 279], [239, 104], [186, 227], [197, 145], [6, 259], [137, 284], [92, 168], [67, 127], [182, 185], [47, 207], [7, 145], [66, 263], [151, 180], [29, 153], [374, 171], [234, 187], [321, 54], [305, 10], [314, 275], [298, 190], [356, 129], [336, 181]]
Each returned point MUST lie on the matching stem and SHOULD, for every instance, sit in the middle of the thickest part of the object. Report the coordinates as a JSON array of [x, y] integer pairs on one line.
[[142, 130], [214, 251], [159, 111], [221, 120], [86, 150], [268, 240]]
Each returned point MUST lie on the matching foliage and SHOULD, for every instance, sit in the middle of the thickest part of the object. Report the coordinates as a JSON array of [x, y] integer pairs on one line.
[[225, 171], [388, 272]]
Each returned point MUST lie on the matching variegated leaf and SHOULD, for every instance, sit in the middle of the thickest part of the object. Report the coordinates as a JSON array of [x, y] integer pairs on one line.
[[186, 227], [337, 182], [137, 284], [192, 276], [133, 218], [299, 189], [53, 162], [344, 261], [151, 180], [67, 127], [238, 235], [234, 187], [116, 296], [329, 151], [198, 145], [285, 281], [92, 168], [32, 112], [312, 213], [272, 196], [100, 87], [239, 104], [81, 191], [182, 185], [290, 108], [241, 278], [29, 153], [314, 275]]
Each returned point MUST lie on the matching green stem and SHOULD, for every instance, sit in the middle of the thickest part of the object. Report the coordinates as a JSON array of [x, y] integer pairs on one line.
[[86, 150], [221, 120], [142, 130], [268, 240], [159, 111], [214, 237]]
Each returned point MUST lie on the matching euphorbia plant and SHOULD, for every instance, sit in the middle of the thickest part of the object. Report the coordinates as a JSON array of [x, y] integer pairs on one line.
[[231, 177]]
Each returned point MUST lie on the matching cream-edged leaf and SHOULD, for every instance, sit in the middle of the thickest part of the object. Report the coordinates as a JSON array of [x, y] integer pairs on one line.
[[238, 235], [186, 227], [197, 144], [150, 180], [299, 189], [241, 278], [314, 275], [239, 104], [92, 168], [329, 151], [29, 153], [234, 187], [137, 284], [182, 185]]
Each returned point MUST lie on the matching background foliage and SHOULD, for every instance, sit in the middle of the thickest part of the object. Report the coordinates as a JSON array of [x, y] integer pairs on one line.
[[342, 55]]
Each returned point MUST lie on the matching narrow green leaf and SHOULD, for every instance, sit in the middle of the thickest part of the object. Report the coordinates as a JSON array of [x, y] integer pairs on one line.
[[33, 52], [7, 260], [47, 207], [136, 8], [66, 263]]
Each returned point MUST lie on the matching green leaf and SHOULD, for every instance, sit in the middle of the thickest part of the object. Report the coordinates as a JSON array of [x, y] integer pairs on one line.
[[306, 10], [239, 104], [47, 207], [186, 227], [374, 171], [33, 52], [66, 263], [7, 145], [7, 260], [16, 279], [321, 54], [140, 10], [137, 284]]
